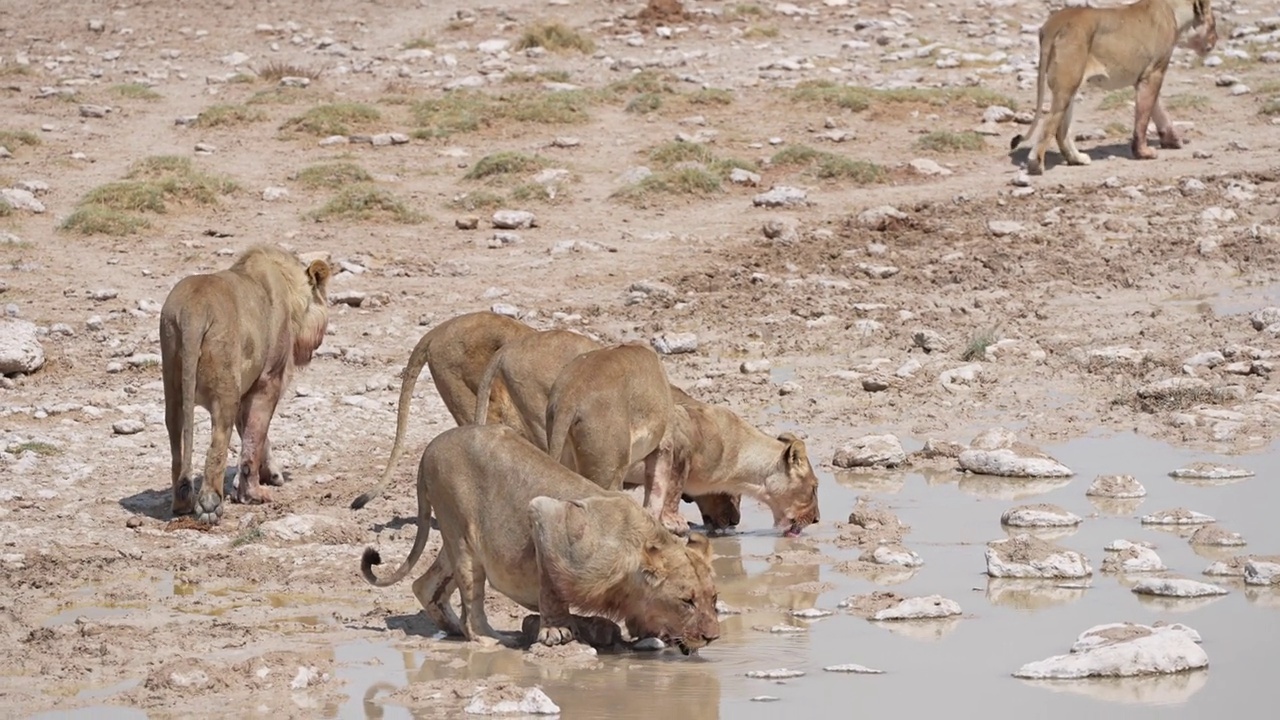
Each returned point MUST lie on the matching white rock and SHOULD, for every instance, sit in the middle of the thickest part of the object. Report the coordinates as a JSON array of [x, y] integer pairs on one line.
[[853, 668], [1177, 516], [1128, 557], [775, 674], [811, 613], [880, 217], [1025, 556], [271, 194], [296, 527], [920, 608], [870, 451], [1039, 515], [1258, 572], [781, 196], [129, 426], [20, 199], [1003, 228], [20, 349], [674, 343], [1008, 462], [1177, 587], [928, 168], [1211, 471], [895, 555], [534, 702], [1116, 486], [1123, 651], [514, 219], [1214, 536]]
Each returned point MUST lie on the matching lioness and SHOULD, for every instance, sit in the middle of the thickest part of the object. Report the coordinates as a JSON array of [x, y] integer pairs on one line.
[[719, 452], [609, 409], [229, 341], [524, 372], [550, 540], [456, 351], [1111, 48]]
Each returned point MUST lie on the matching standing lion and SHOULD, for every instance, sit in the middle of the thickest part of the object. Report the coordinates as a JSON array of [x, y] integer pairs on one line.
[[229, 341]]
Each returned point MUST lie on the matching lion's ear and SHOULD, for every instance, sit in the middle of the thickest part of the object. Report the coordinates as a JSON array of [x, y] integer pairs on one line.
[[700, 544], [318, 273], [795, 456], [652, 564], [575, 520]]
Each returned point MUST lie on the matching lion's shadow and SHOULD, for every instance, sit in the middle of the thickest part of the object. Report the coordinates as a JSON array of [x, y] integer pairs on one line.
[[1053, 158], [157, 504]]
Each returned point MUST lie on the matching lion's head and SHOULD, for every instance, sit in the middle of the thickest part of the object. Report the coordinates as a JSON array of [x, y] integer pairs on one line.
[[1206, 37], [792, 491], [618, 562], [720, 511]]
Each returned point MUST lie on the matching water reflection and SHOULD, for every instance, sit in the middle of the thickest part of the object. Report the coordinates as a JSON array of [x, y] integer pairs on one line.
[[1033, 594], [1151, 690], [880, 483], [1115, 506], [992, 487], [921, 630]]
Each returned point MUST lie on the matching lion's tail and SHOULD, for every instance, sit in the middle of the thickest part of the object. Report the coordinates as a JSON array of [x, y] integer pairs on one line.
[[371, 556], [1042, 83], [485, 389], [557, 431], [417, 359]]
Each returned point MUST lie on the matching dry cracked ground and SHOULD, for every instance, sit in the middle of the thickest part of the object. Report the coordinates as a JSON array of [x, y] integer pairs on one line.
[[820, 192]]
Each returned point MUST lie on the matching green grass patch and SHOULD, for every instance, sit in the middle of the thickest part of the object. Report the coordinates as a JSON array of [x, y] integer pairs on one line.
[[501, 164], [555, 37], [461, 111], [365, 202], [829, 166], [945, 141], [223, 115], [332, 175], [696, 181], [152, 185], [711, 96], [135, 91], [1183, 102], [419, 43], [477, 200], [341, 118], [1117, 99], [976, 348], [643, 81], [739, 11], [534, 192], [644, 103], [42, 449], [755, 32], [14, 139], [1271, 107], [280, 96], [520, 77], [857, 99], [276, 70]]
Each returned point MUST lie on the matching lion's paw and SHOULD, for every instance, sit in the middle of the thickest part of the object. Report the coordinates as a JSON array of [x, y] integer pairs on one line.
[[247, 494], [209, 508], [184, 500], [676, 525], [549, 635]]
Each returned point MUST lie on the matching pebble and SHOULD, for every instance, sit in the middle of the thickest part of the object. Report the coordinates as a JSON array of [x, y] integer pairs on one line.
[[1177, 587], [674, 343], [775, 674], [870, 451], [781, 196], [1116, 486], [514, 219], [272, 194], [129, 426], [880, 217], [469, 222], [852, 668], [1177, 516], [20, 348]]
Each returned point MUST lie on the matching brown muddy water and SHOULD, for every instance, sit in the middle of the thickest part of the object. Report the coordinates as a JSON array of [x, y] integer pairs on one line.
[[958, 667]]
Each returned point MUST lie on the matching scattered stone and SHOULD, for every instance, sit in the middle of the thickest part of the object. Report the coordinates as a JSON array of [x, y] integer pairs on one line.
[[776, 674], [878, 272], [1259, 572], [881, 217], [1177, 516], [1041, 515], [20, 199], [1235, 566], [929, 607], [781, 229], [675, 343], [1004, 228], [1026, 556], [352, 298], [272, 194], [1211, 471], [1214, 536], [1123, 650], [94, 111], [20, 348], [754, 367], [502, 239], [740, 176], [1124, 556], [928, 168], [852, 668], [514, 219], [131, 426], [930, 341], [997, 452], [499, 701], [1265, 317], [781, 196], [1177, 587], [1116, 486], [895, 555], [470, 222], [870, 451], [1173, 389]]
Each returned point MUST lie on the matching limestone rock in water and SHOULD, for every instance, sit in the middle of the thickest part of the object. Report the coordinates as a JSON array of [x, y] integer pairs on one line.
[[20, 349], [776, 674], [1116, 486], [1177, 516], [1214, 536], [1123, 650], [1177, 587], [1258, 572], [1039, 515], [675, 343], [920, 608], [853, 668], [895, 555], [998, 452], [1127, 557], [811, 613], [1210, 471], [870, 451], [499, 702], [1024, 556]]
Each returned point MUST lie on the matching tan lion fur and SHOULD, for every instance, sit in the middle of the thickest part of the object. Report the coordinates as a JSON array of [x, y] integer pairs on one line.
[[229, 342], [1111, 48], [456, 352], [550, 540]]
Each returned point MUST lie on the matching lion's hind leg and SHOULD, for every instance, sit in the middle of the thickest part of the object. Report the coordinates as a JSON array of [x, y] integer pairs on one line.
[[433, 590], [1066, 141], [184, 492], [1146, 102], [469, 576], [222, 414], [1063, 83], [1169, 138]]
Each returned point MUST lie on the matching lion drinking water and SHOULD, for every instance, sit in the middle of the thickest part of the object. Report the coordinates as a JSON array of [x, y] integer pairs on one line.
[[229, 342]]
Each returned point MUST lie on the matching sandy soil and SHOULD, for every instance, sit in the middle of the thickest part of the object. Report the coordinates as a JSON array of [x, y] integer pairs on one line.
[[1045, 309]]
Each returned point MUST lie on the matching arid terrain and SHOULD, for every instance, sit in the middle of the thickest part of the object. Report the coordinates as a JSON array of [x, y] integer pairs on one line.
[[820, 192]]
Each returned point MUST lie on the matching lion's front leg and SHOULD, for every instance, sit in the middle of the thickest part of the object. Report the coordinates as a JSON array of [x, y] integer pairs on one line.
[[1148, 94], [555, 624], [663, 489], [1169, 138], [256, 410]]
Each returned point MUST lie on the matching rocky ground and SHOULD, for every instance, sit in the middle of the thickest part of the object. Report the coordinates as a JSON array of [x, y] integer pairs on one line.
[[812, 202]]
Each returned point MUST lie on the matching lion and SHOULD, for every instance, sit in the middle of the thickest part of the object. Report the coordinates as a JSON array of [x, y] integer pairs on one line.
[[456, 351], [1111, 48], [611, 408], [720, 453], [229, 342], [551, 541]]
